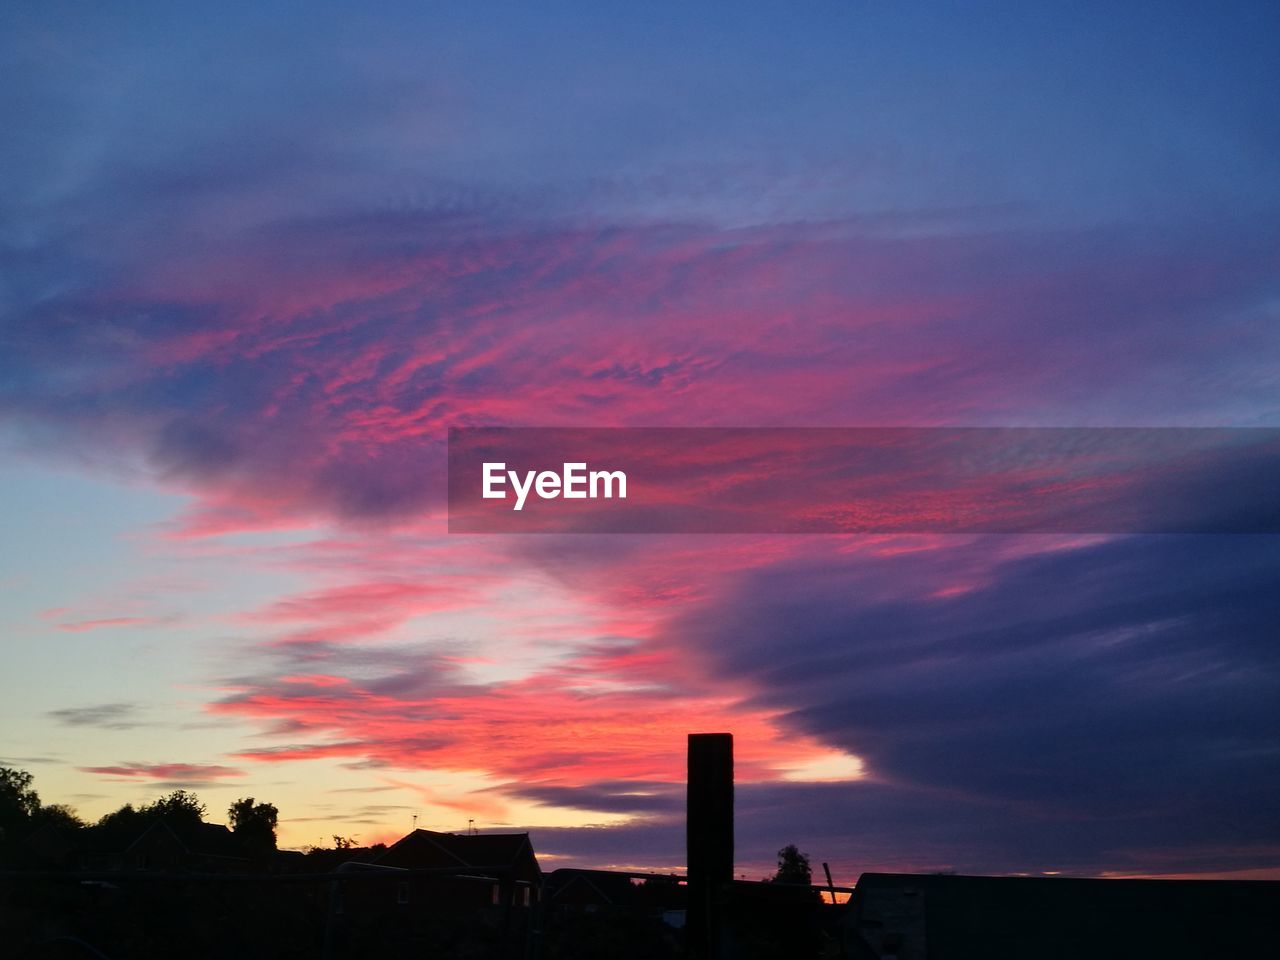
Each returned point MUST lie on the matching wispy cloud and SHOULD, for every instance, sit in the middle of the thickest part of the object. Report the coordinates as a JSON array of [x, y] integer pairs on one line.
[[166, 774], [107, 716]]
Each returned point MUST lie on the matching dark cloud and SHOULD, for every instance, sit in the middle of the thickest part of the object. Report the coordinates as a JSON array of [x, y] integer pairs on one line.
[[25, 761], [656, 844], [107, 716], [370, 789], [1074, 704], [188, 448], [625, 796]]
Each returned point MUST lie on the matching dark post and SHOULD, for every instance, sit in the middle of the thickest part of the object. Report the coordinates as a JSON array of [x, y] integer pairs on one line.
[[708, 837]]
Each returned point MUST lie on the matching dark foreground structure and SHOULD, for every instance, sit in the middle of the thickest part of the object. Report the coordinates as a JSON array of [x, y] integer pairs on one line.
[[366, 912], [913, 917], [939, 917], [190, 890]]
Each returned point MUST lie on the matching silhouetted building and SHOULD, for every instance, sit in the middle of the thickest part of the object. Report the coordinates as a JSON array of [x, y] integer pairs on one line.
[[435, 894], [507, 860], [927, 917], [164, 846]]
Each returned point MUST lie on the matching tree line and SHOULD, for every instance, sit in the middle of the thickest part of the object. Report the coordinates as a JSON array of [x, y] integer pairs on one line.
[[22, 813]]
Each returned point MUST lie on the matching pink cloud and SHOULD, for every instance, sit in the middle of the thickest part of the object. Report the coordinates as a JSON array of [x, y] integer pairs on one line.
[[317, 367], [365, 609]]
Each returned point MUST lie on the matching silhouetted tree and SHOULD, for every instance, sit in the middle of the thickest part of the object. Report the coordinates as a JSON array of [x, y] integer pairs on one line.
[[18, 801], [180, 807], [793, 866], [21, 813], [123, 818], [58, 815], [254, 824], [18, 804]]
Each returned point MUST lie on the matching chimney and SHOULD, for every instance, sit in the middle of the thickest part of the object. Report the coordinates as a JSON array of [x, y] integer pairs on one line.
[[709, 835]]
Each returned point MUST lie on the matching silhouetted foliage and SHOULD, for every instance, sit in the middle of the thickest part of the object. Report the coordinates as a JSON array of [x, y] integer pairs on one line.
[[124, 818], [793, 866], [18, 801], [180, 807], [32, 834], [254, 824], [58, 815], [18, 804]]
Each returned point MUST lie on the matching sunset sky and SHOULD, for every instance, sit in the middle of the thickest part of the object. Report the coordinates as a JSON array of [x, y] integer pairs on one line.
[[255, 263]]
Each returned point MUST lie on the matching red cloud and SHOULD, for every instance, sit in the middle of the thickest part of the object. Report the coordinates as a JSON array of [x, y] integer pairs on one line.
[[363, 599], [545, 728]]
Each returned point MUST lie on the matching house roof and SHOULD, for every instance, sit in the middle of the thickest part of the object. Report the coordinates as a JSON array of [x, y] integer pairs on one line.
[[426, 848], [201, 839]]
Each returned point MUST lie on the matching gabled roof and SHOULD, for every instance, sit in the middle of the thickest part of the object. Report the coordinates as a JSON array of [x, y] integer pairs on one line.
[[200, 839], [425, 849]]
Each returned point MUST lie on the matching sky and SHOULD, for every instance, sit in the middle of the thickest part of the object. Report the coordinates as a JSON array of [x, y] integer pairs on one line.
[[255, 262]]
